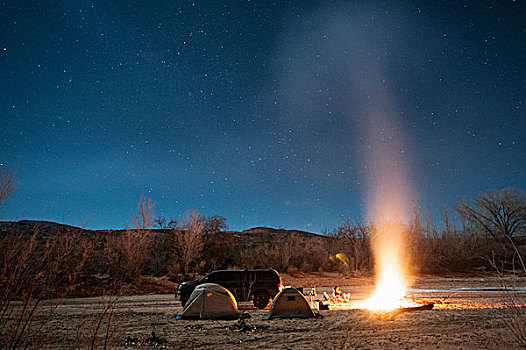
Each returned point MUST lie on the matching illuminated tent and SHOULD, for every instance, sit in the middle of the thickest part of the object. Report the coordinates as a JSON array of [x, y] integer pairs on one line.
[[289, 303], [210, 301]]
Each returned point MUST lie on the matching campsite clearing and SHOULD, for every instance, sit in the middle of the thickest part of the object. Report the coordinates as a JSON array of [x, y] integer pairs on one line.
[[148, 322]]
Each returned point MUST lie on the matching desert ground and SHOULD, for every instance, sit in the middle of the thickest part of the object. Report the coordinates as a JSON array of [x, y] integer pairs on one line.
[[462, 319]]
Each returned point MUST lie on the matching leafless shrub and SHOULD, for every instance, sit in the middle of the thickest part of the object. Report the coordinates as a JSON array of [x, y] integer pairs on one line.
[[125, 255], [290, 254], [314, 256], [7, 184], [187, 241], [69, 259], [17, 305], [452, 247], [34, 269], [158, 256], [218, 250], [351, 240], [161, 222], [144, 216], [514, 315]]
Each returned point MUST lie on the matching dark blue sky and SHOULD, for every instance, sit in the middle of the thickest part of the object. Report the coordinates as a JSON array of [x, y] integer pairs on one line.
[[259, 111]]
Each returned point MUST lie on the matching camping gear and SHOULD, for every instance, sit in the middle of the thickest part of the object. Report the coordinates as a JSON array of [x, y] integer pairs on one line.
[[259, 285], [323, 306], [210, 301], [289, 303]]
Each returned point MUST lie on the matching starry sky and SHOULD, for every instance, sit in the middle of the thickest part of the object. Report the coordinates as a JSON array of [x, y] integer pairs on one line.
[[269, 113]]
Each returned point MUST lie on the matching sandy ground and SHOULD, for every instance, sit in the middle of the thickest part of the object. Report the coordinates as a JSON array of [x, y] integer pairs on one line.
[[463, 320]]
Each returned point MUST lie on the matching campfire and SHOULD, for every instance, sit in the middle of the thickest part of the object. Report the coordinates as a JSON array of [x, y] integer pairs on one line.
[[390, 297], [418, 301], [386, 311]]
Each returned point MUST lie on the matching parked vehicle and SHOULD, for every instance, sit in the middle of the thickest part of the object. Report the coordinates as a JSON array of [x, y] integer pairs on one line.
[[257, 285]]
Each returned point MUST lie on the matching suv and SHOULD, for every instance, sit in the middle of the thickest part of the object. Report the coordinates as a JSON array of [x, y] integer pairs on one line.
[[245, 285]]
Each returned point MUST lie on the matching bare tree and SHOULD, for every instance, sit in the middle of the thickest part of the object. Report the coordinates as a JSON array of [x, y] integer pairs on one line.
[[215, 224], [7, 184], [352, 240], [500, 214], [128, 251], [187, 239], [144, 217], [163, 223]]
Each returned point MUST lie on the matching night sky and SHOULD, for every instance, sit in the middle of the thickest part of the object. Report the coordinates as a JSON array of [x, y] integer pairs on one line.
[[264, 112]]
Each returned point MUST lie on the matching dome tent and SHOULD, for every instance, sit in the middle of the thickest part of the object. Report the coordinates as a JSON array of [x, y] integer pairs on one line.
[[289, 303], [210, 301]]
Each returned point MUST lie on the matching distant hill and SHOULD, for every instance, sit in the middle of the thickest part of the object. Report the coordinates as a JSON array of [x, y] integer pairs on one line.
[[42, 228], [244, 239], [259, 235]]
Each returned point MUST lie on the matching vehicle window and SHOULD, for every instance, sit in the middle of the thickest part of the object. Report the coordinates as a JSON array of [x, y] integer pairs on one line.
[[212, 277], [245, 277], [233, 276], [221, 276], [266, 275]]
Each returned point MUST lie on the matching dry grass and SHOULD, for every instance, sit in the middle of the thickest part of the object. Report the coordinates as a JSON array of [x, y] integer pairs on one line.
[[34, 270], [36, 276], [514, 314]]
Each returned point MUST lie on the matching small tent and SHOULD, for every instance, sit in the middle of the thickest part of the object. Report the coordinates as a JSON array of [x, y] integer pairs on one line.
[[289, 303], [210, 301]]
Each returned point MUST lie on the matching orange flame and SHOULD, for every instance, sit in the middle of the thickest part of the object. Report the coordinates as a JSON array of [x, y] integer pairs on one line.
[[391, 283]]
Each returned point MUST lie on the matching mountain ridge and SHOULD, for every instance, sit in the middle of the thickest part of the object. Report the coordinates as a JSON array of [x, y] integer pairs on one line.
[[247, 238]]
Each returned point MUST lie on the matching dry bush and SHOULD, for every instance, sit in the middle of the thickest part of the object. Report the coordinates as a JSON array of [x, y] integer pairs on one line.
[[187, 242], [7, 185], [291, 254], [350, 247], [262, 256], [174, 244], [32, 270], [454, 247], [514, 315], [300, 253], [125, 255], [314, 256], [144, 216], [158, 256], [218, 250], [19, 279], [217, 246], [70, 260]]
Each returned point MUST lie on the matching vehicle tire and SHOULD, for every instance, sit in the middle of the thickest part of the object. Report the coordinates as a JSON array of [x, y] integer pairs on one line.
[[184, 301], [261, 299]]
